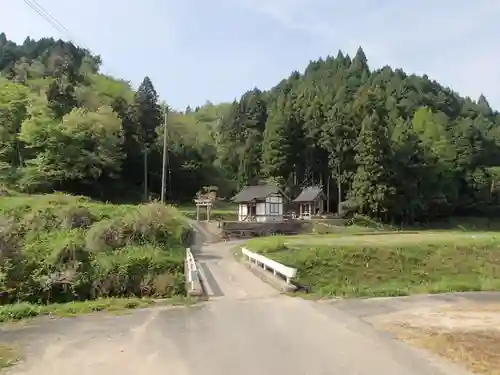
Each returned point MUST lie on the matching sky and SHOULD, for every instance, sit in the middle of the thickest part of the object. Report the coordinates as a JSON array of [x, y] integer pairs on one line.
[[199, 50]]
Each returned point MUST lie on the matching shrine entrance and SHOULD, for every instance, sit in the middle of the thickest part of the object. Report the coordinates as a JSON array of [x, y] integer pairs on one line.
[[207, 203]]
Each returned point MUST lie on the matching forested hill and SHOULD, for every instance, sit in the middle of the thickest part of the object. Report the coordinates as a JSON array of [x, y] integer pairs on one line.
[[64, 126], [382, 143]]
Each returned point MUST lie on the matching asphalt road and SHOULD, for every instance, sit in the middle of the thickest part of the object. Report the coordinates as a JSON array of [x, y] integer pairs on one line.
[[246, 328]]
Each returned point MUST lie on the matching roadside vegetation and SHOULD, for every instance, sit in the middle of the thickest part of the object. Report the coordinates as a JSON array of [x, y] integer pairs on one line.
[[59, 248], [23, 310], [388, 263]]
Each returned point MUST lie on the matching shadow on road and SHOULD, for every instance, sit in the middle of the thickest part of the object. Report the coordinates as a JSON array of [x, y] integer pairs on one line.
[[201, 256], [210, 280]]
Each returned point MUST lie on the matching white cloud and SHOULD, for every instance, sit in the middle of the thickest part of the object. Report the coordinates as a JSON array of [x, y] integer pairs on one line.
[[454, 41]]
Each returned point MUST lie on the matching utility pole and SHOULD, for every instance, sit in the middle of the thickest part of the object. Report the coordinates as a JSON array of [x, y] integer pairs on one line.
[[165, 156]]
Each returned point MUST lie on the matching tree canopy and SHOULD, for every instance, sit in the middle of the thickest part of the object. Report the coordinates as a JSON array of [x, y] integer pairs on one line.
[[382, 143], [65, 126]]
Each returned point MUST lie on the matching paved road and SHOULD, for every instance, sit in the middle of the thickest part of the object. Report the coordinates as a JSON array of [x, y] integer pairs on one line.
[[247, 328]]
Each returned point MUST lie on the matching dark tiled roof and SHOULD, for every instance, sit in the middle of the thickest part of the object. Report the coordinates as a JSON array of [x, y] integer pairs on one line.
[[256, 192], [309, 194]]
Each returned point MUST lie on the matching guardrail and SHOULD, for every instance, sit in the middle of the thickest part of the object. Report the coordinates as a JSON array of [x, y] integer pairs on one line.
[[192, 275], [276, 268]]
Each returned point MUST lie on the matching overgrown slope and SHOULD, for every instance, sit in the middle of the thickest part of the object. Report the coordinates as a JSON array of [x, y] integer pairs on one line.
[[56, 248], [389, 264]]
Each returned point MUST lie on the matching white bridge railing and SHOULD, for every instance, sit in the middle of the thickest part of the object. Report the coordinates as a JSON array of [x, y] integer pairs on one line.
[[276, 268], [192, 270]]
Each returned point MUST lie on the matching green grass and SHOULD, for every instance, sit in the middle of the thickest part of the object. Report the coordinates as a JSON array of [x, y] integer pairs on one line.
[[59, 248], [24, 310], [468, 224], [224, 211], [22, 204], [389, 264], [9, 355]]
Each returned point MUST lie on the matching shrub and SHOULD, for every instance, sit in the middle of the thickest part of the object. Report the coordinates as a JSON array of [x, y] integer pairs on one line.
[[106, 235], [153, 224], [59, 248], [39, 219], [9, 238], [72, 217], [11, 261], [53, 268], [367, 222], [18, 311], [158, 224], [139, 271]]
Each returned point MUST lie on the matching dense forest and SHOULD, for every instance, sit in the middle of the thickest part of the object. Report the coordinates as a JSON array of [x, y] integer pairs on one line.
[[66, 127], [383, 143]]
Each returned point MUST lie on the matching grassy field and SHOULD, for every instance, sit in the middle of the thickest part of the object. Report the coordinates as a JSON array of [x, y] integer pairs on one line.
[[389, 263], [221, 211], [59, 248]]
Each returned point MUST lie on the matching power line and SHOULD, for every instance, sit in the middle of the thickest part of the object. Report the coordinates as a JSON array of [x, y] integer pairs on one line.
[[41, 11], [45, 14], [37, 7]]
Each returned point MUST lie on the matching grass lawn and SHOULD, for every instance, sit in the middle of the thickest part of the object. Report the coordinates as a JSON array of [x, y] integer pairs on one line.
[[389, 264], [227, 211]]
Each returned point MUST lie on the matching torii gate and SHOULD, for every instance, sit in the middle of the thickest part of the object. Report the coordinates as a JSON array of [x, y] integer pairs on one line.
[[203, 202]]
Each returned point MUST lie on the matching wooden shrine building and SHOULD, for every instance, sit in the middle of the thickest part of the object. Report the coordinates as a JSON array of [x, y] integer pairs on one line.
[[260, 203], [311, 202]]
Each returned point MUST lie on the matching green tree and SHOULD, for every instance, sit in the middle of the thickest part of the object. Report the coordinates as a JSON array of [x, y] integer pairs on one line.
[[371, 188], [61, 97], [339, 139], [82, 147], [13, 102], [148, 117], [253, 117], [278, 145]]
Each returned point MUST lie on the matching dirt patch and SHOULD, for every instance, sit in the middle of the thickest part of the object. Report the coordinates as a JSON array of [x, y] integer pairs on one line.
[[474, 308], [478, 351], [467, 333]]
